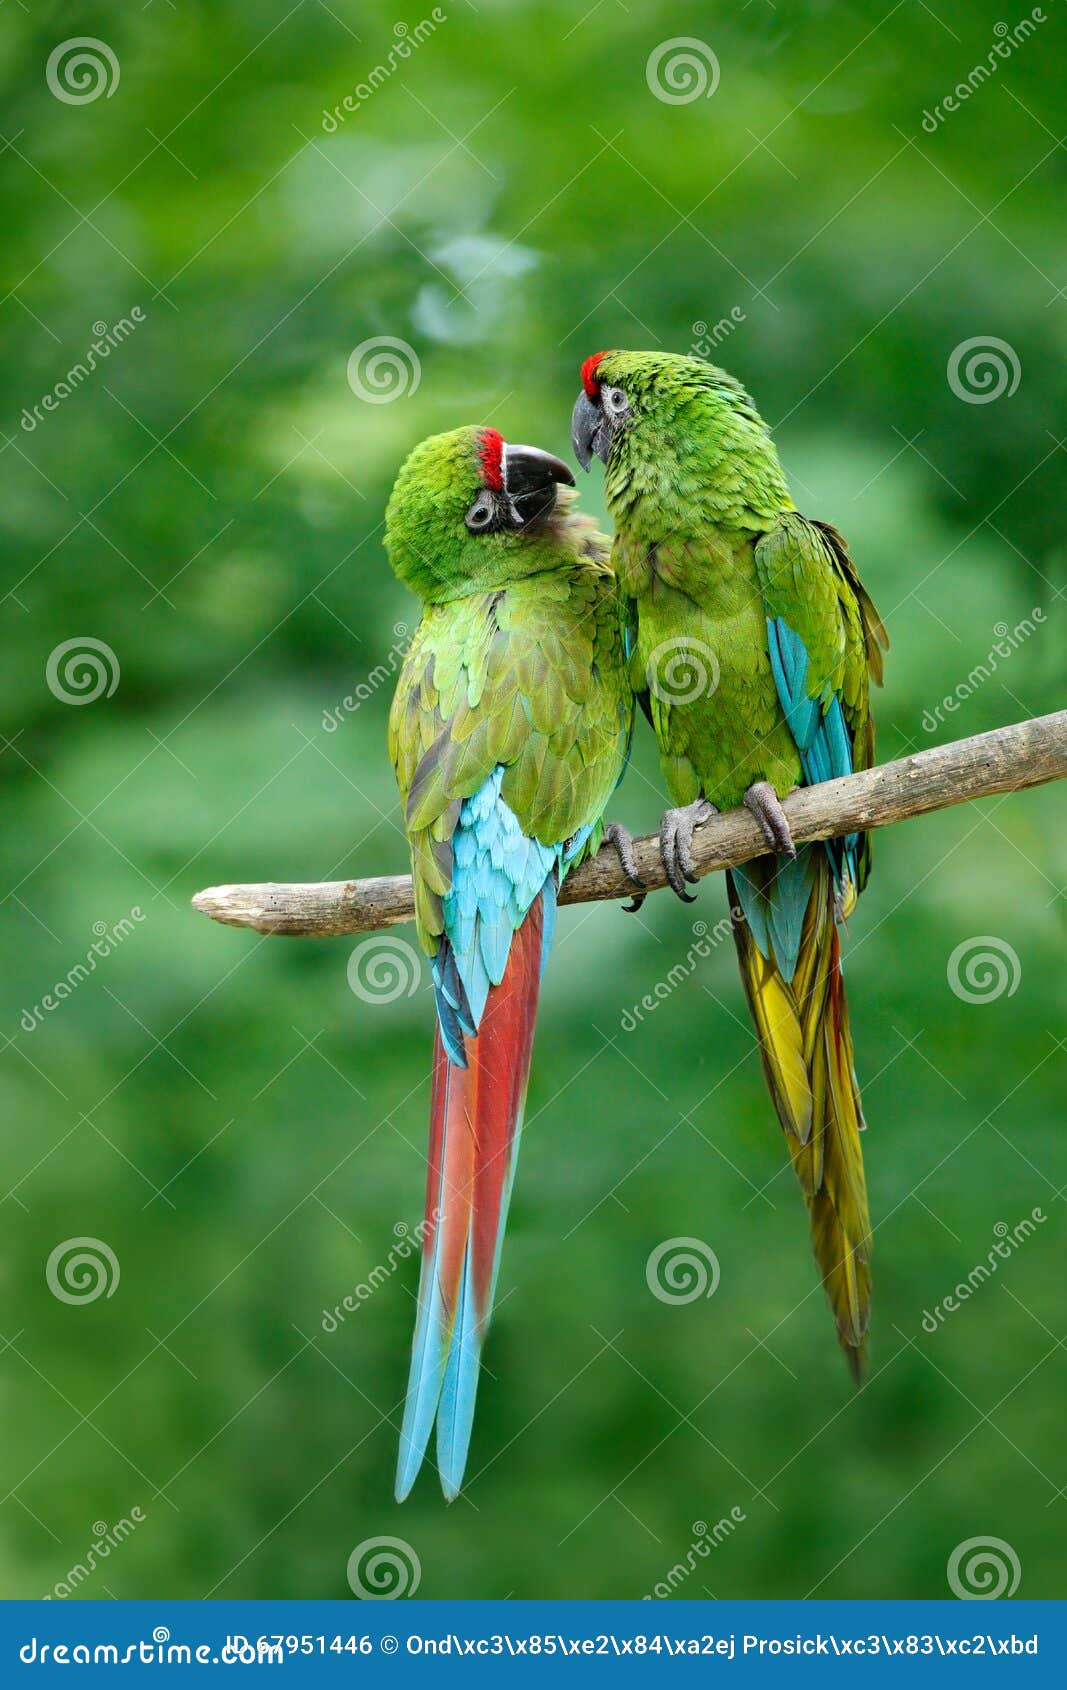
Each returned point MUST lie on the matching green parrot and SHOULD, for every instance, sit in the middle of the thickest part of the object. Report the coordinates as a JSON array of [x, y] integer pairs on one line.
[[755, 648], [509, 732]]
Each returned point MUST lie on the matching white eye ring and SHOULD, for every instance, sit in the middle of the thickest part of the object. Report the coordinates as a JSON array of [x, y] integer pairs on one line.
[[479, 516], [615, 399]]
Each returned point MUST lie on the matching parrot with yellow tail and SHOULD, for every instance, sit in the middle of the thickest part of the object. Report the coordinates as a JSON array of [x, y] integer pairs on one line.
[[754, 651]]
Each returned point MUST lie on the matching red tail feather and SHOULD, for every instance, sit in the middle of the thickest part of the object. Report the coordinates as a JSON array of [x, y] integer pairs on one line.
[[475, 1116]]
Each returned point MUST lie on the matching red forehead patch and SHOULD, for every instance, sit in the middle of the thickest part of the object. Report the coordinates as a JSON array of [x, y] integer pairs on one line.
[[491, 454], [589, 376]]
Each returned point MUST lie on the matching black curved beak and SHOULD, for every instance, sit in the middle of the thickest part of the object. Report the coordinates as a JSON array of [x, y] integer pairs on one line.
[[590, 431], [530, 481]]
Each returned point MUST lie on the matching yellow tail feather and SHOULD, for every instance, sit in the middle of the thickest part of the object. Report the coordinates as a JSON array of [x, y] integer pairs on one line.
[[806, 1047]]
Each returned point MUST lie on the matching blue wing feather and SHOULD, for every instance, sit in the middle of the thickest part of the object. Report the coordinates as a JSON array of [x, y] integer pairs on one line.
[[775, 913]]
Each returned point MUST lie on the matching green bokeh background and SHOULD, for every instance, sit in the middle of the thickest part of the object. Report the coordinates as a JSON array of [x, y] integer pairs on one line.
[[245, 1133]]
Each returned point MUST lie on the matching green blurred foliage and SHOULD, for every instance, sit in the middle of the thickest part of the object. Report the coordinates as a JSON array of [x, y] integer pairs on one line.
[[224, 1112]]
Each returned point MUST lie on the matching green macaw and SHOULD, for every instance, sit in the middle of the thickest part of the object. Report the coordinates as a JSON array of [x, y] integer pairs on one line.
[[755, 646], [508, 733]]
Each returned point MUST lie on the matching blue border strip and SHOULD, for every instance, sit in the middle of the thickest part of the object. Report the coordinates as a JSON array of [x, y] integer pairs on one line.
[[401, 1642]]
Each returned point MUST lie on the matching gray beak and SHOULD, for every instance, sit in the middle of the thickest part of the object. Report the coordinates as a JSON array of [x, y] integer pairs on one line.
[[530, 480], [590, 431]]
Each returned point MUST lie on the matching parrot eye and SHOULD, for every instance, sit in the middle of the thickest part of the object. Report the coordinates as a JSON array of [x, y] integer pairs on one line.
[[615, 401], [480, 515]]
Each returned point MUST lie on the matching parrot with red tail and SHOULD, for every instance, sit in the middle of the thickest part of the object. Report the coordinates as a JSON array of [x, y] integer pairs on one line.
[[508, 733], [755, 648]]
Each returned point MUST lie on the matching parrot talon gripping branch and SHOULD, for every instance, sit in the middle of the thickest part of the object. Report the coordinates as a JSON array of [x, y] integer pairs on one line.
[[676, 831], [621, 841], [766, 806]]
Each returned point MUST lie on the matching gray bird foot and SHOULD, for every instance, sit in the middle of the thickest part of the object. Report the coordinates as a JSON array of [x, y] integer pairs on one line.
[[622, 842], [766, 806], [675, 841]]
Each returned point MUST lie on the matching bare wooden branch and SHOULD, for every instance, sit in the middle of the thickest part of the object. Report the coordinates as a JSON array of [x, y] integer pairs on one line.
[[1007, 760]]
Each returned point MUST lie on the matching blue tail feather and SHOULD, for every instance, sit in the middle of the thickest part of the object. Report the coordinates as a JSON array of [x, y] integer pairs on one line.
[[455, 1411]]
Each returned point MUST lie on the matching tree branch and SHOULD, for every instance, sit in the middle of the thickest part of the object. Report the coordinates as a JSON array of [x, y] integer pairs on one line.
[[1008, 760]]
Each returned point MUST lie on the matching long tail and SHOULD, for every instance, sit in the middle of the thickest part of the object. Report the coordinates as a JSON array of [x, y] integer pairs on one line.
[[475, 1124], [787, 944]]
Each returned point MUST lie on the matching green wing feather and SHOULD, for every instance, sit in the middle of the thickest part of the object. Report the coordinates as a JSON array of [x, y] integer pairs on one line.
[[808, 578], [530, 676]]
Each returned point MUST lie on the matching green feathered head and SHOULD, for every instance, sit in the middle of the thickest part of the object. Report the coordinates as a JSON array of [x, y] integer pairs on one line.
[[470, 511], [677, 431]]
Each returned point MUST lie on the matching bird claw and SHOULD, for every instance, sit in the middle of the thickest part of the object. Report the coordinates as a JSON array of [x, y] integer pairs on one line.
[[763, 802], [675, 844], [621, 841]]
